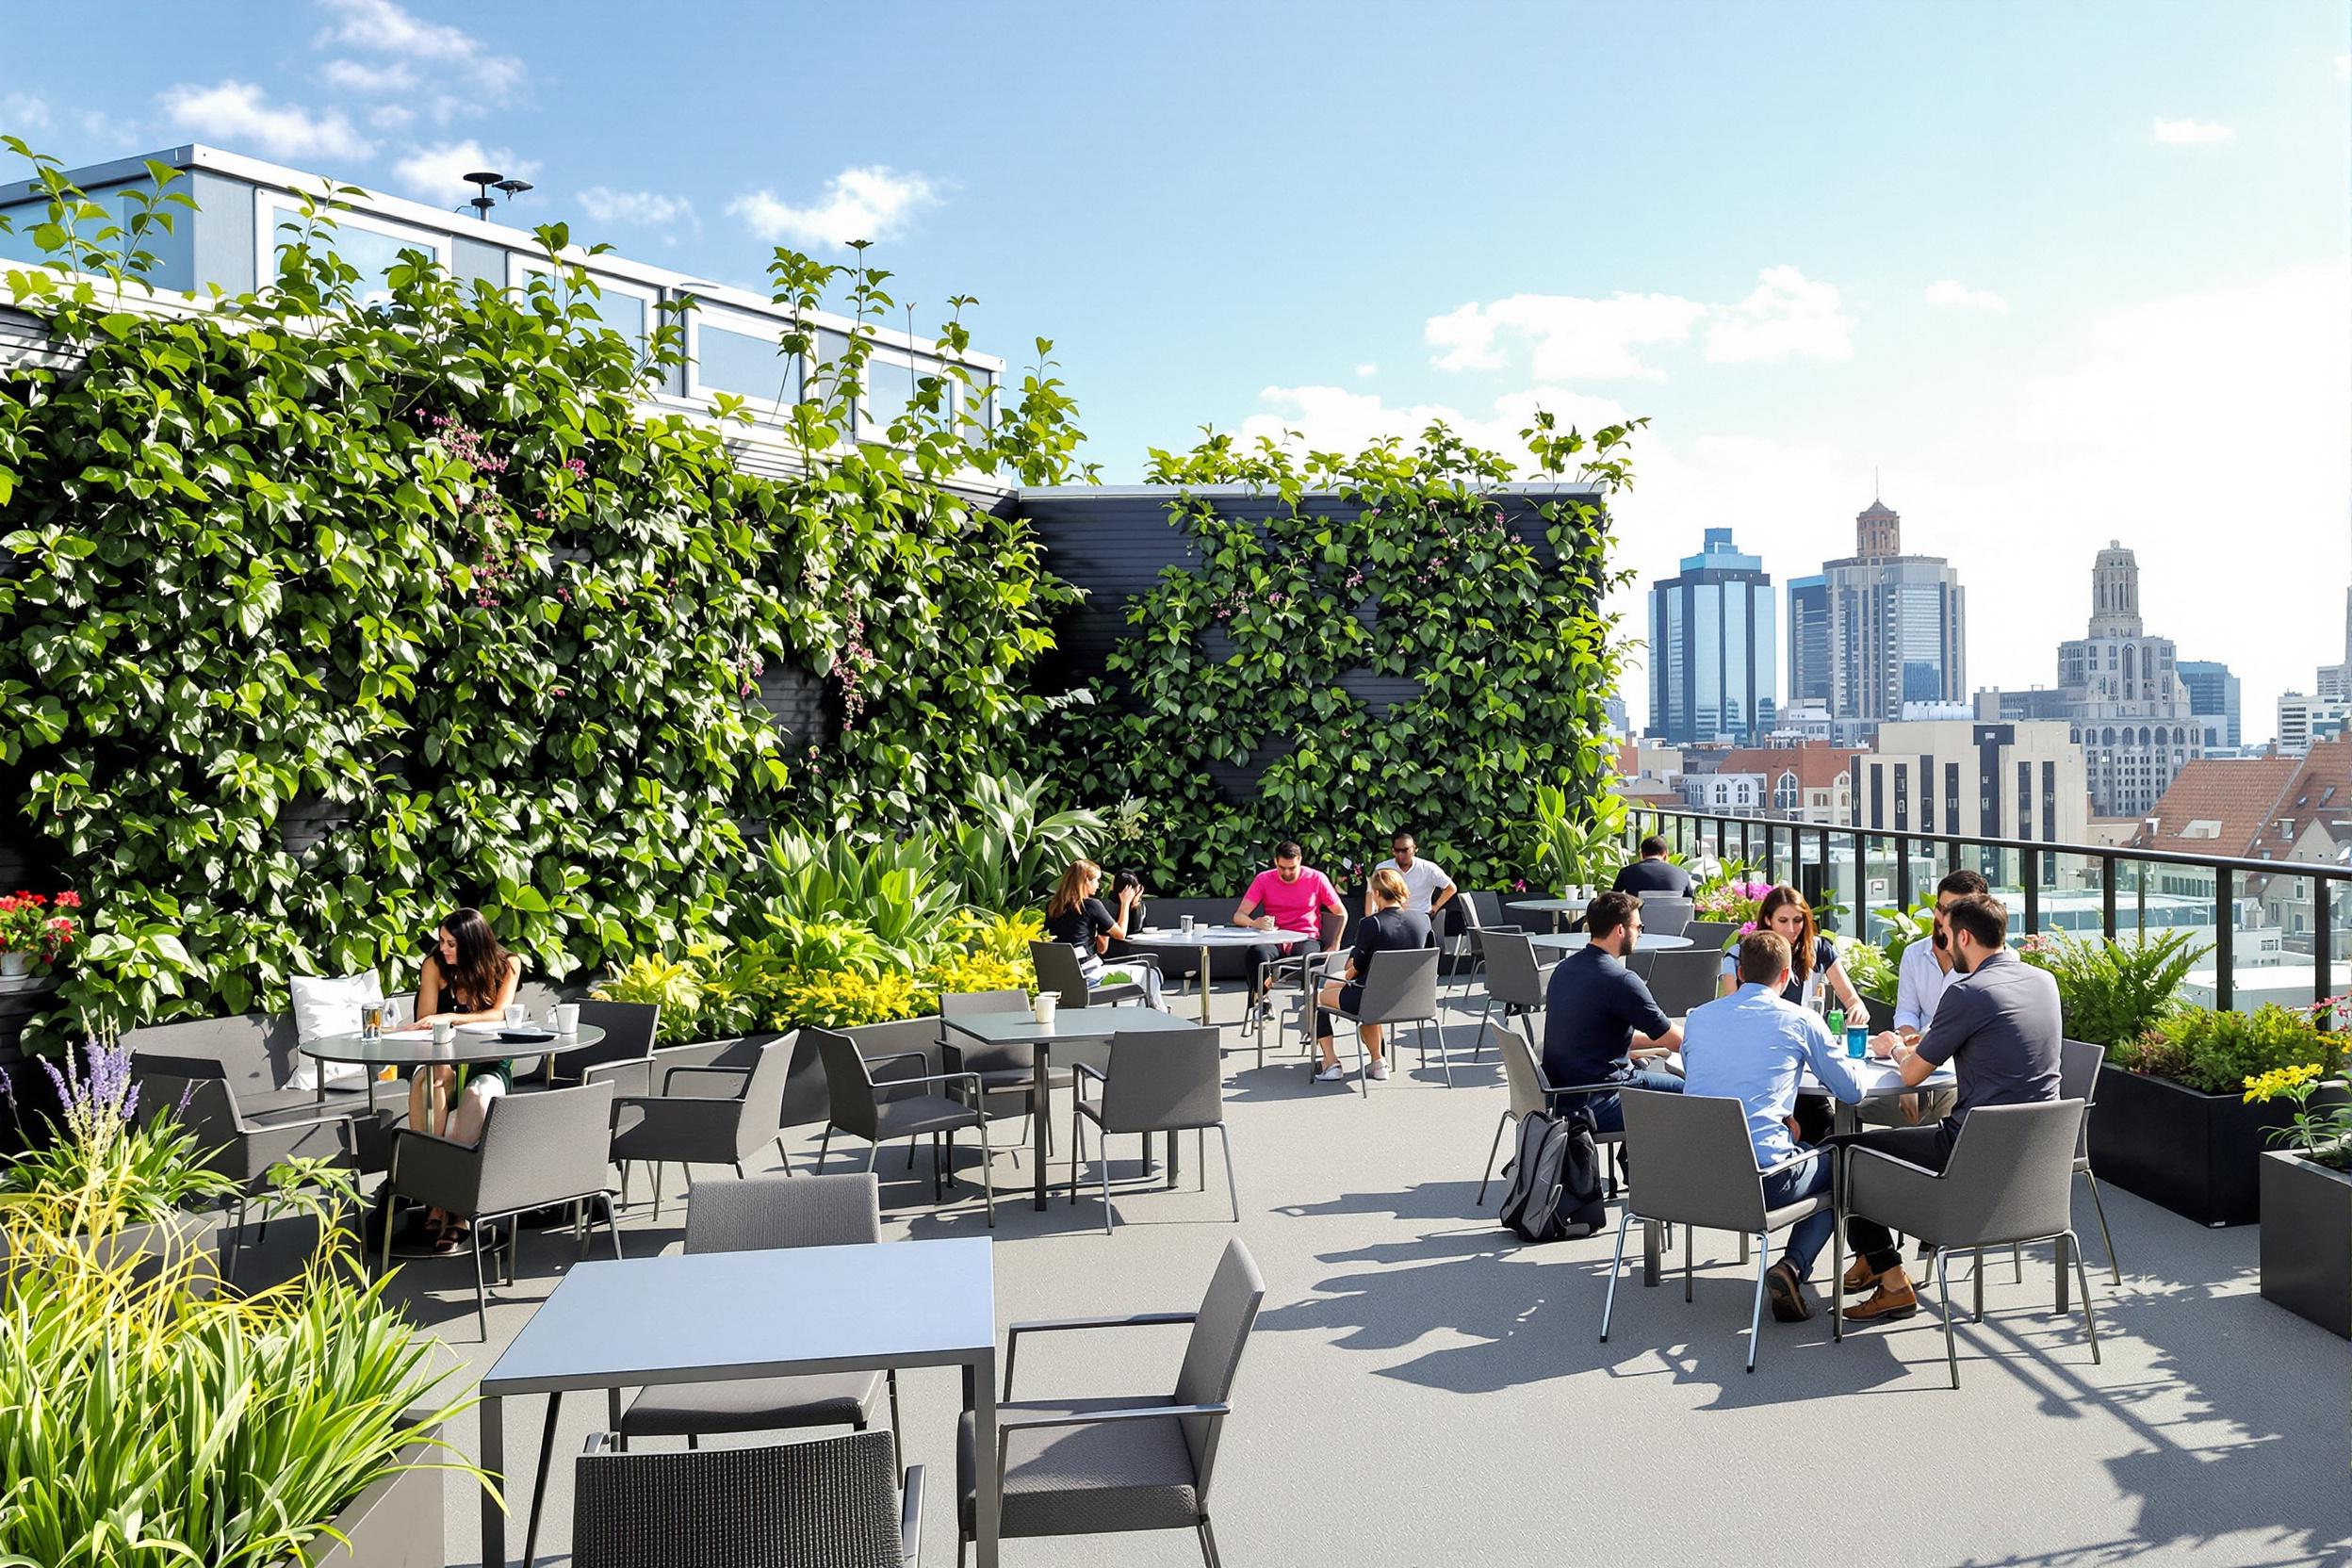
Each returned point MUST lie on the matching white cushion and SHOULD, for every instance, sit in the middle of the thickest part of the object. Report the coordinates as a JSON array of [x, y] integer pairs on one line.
[[325, 1006]]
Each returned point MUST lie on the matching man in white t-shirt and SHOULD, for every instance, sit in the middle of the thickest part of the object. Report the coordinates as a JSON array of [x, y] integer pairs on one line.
[[1427, 890]]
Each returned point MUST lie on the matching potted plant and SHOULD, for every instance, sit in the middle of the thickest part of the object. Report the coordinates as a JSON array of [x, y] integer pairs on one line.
[[2172, 1123], [36, 930], [2307, 1200]]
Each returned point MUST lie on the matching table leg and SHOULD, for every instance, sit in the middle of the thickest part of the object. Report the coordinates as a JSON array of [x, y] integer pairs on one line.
[[1172, 1161], [539, 1483], [980, 1396], [1649, 1255], [493, 1464], [1040, 1107], [1204, 987]]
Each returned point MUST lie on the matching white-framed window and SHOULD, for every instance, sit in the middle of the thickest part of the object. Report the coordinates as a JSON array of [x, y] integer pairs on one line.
[[628, 309], [890, 389], [738, 352], [369, 243]]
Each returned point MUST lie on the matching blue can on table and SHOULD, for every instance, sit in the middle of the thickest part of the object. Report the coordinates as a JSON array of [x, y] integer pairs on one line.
[[1857, 1040]]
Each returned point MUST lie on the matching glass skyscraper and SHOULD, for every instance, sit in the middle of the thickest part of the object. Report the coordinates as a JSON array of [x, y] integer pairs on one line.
[[1713, 642], [1898, 628]]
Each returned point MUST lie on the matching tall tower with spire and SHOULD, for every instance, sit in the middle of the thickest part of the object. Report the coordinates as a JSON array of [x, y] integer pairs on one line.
[[2116, 593], [1877, 531], [1897, 629], [2121, 689]]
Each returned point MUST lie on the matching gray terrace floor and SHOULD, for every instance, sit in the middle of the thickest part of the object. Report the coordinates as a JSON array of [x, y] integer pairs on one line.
[[1423, 1391]]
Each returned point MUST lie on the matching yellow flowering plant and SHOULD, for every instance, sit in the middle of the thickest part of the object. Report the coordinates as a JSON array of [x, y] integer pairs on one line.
[[2323, 1136]]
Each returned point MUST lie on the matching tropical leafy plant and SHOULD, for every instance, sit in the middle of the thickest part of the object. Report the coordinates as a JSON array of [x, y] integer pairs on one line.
[[2114, 991], [1005, 850], [2216, 1053], [674, 986], [1571, 848], [892, 886], [843, 999], [1868, 967]]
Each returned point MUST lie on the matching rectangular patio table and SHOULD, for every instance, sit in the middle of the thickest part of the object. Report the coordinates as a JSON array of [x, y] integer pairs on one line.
[[771, 1313], [1070, 1023]]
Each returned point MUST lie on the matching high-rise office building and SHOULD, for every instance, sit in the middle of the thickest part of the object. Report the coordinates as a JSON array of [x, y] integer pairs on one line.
[[1897, 630], [1809, 674], [1712, 647], [2213, 702], [2001, 780]]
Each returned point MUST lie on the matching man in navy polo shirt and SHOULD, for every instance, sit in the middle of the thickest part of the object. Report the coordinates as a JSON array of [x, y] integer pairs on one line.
[[1599, 1018]]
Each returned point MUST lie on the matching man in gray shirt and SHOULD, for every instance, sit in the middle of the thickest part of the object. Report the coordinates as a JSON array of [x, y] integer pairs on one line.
[[1999, 1026]]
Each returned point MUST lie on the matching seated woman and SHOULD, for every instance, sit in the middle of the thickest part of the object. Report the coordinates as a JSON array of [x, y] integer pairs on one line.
[[1389, 927], [468, 978], [1075, 915], [1814, 974]]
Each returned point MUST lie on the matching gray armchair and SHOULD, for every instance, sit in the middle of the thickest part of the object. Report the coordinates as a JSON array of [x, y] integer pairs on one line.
[[536, 1151], [858, 1106], [624, 1057], [1684, 979], [2010, 1181], [1697, 1166], [1664, 915], [699, 1129], [837, 1503], [1708, 935], [1058, 970], [1514, 978], [1007, 1072], [1172, 1082], [2078, 1062], [1530, 1091], [1399, 986], [1102, 1466]]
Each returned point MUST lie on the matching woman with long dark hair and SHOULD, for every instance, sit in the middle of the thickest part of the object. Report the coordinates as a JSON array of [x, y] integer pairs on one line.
[[469, 977], [1075, 915], [1813, 964]]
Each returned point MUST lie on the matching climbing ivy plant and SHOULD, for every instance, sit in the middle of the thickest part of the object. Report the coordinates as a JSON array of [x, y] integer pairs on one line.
[[320, 617], [1400, 560]]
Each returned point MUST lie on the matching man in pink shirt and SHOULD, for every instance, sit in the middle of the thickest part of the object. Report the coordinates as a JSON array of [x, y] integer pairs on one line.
[[1287, 897]]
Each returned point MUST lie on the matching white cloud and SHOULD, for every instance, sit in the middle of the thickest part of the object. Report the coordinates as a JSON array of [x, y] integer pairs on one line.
[[359, 76], [1366, 371], [391, 117], [649, 209], [1952, 294], [436, 173], [2191, 133], [872, 203], [22, 114], [386, 29], [1568, 337], [241, 117], [1788, 313], [1333, 419]]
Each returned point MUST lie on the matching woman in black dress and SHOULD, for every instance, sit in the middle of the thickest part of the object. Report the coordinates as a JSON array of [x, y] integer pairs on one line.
[[468, 977], [1076, 916], [1391, 926]]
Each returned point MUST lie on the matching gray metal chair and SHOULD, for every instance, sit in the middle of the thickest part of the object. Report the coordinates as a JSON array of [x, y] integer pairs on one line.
[[1684, 980], [1523, 1076], [243, 1148], [2010, 1181], [859, 1109], [1481, 913], [1117, 1465], [2078, 1062], [1058, 970], [624, 1057], [700, 1129], [835, 1503], [1007, 1072], [1302, 966], [1664, 915], [1695, 1166], [1171, 1082], [1708, 935], [1399, 986], [1514, 978], [537, 1151]]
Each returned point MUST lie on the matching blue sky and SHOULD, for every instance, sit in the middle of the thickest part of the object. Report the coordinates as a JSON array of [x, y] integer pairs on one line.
[[2060, 273]]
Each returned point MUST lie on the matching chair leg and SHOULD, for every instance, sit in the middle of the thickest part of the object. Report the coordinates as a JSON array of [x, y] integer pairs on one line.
[[2082, 1283], [987, 1181], [539, 1484], [898, 1459], [2017, 1263], [1494, 1148], [874, 1153], [1077, 1147], [1756, 1313], [1208, 1545], [1106, 1177], [1943, 1291], [611, 1225], [1687, 1250], [1363, 1065], [1977, 1271], [237, 1234], [1837, 1258], [1609, 1304], [825, 1145], [1444, 1063], [783, 1153], [2114, 1265], [1232, 1191], [482, 1296], [656, 1189]]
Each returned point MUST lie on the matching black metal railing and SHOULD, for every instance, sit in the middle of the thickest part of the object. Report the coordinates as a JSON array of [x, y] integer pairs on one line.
[[1799, 852]]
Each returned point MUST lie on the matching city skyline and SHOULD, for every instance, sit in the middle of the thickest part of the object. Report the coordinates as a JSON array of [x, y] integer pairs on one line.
[[2122, 313]]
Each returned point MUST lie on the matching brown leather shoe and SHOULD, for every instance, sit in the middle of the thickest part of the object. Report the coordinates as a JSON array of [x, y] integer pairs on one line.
[[1892, 1303], [1788, 1293], [1860, 1276]]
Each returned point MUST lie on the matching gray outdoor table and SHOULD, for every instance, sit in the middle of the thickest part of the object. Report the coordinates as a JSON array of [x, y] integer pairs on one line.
[[1070, 1023], [1207, 938], [1555, 907], [1568, 941], [406, 1049], [769, 1313]]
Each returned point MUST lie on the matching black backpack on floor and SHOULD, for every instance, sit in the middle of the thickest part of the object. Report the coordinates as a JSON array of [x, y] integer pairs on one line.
[[1555, 1191]]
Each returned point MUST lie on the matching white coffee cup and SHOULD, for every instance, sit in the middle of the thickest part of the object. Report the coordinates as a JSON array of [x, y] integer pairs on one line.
[[516, 1015], [1041, 1008], [1185, 925], [444, 1031], [567, 1018]]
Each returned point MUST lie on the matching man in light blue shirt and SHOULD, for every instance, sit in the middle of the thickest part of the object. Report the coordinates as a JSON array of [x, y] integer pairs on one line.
[[1754, 1047]]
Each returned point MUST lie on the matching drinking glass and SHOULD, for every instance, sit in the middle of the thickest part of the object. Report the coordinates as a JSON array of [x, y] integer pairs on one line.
[[517, 1015]]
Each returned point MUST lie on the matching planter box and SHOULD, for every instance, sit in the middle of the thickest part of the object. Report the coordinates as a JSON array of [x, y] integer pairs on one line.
[[397, 1522], [2307, 1240], [2197, 1154]]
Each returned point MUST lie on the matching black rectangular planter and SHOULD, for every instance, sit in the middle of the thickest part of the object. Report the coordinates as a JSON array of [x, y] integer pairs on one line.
[[2197, 1154], [2307, 1240], [397, 1522]]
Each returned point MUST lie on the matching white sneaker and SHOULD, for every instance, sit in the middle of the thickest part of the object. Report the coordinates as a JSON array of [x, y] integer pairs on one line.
[[1380, 1070], [1332, 1073]]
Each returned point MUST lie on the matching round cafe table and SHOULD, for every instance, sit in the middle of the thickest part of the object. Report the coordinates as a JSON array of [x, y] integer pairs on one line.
[[1207, 938], [1568, 941], [408, 1049]]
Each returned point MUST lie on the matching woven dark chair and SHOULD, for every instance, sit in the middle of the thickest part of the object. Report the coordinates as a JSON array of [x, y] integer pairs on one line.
[[691, 1130], [834, 1503], [859, 1108], [536, 1151], [1117, 1465], [1157, 1083]]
